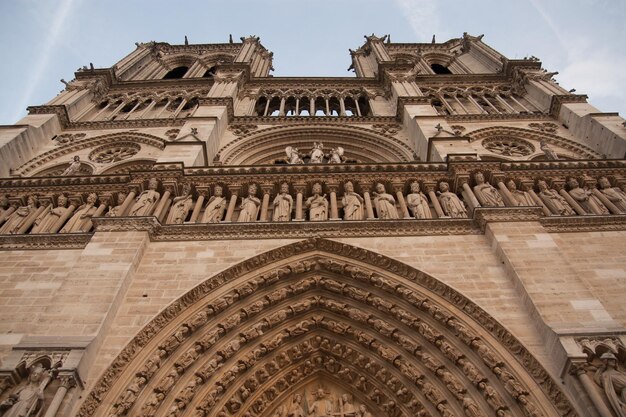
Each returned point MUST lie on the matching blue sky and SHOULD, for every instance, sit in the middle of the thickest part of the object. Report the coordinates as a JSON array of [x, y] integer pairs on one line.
[[44, 41]]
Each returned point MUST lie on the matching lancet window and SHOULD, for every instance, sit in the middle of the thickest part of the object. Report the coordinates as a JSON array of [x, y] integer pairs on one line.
[[478, 100], [320, 104]]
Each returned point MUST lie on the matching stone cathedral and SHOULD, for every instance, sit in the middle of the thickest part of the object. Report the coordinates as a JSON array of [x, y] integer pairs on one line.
[[442, 234]]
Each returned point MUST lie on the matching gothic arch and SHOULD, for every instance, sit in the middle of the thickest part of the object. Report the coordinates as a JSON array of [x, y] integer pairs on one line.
[[267, 145], [567, 147], [78, 145], [323, 313], [124, 167]]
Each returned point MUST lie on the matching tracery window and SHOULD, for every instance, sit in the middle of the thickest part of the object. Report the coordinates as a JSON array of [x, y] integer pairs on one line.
[[506, 146], [114, 153]]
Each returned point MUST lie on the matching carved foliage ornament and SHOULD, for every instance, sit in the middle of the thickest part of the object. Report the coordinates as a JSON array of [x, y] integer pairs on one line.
[[66, 138], [108, 154]]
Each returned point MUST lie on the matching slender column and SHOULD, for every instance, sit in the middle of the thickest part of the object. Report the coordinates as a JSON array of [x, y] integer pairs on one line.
[[520, 104], [156, 116], [327, 108], [127, 202], [491, 105], [147, 109], [505, 104], [102, 110], [179, 108], [67, 382], [133, 109], [612, 208], [398, 188], [299, 197], [470, 198], [334, 209], [478, 106], [538, 201], [267, 189], [6, 214], [115, 111], [430, 189], [281, 111], [591, 390], [342, 106], [267, 107], [460, 104], [232, 204], [161, 206], [312, 106], [196, 209], [30, 220], [508, 197], [297, 106], [59, 224], [358, 109], [577, 208], [446, 105], [369, 210], [166, 207]]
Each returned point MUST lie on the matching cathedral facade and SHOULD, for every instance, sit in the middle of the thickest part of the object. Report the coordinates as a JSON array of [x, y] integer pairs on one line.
[[442, 234]]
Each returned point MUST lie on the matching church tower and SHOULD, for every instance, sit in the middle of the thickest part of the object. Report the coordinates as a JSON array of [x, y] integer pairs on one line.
[[185, 235]]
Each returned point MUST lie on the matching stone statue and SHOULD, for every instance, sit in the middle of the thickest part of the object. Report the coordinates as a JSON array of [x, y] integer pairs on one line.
[[181, 206], [346, 407], [336, 155], [293, 156], [486, 194], [450, 203], [249, 206], [614, 383], [585, 198], [520, 198], [19, 216], [27, 401], [548, 151], [294, 408], [317, 204], [613, 194], [321, 406], [4, 205], [117, 210], [74, 168], [363, 412], [146, 202], [417, 202], [283, 202], [352, 203], [385, 203], [317, 153], [553, 200], [215, 208], [81, 220], [50, 216]]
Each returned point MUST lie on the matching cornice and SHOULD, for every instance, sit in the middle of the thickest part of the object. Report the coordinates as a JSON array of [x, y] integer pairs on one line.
[[125, 124], [485, 215], [458, 118], [559, 99], [45, 241], [569, 224], [313, 120]]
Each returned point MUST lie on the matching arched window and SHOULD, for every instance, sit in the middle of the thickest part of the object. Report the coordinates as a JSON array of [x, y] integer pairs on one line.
[[259, 109], [440, 69], [305, 106], [364, 106], [334, 106], [178, 72], [210, 72]]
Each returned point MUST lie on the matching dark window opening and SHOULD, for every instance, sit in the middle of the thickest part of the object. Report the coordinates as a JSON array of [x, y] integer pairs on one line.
[[178, 72], [127, 108], [259, 109], [364, 106], [209, 73], [440, 69]]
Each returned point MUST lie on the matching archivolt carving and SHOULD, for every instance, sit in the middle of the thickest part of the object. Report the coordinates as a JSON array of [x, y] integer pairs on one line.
[[125, 167], [268, 145], [110, 139], [577, 149], [322, 312]]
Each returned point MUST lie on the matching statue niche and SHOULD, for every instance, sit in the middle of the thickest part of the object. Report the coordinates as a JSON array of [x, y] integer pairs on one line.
[[27, 401]]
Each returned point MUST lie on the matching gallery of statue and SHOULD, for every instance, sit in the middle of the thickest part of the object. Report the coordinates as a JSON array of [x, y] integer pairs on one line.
[[439, 234]]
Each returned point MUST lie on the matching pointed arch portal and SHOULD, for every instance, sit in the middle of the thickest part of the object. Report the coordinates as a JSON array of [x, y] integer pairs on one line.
[[317, 328]]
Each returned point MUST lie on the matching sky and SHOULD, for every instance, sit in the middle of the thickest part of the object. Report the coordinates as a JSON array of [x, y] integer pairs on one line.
[[44, 41]]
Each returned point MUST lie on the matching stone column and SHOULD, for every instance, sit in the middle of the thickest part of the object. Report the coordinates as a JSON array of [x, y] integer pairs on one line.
[[127, 202], [577, 208], [334, 209], [469, 196], [528, 186], [202, 192], [160, 209], [612, 208], [506, 194], [369, 210], [59, 224], [398, 188], [31, 219], [299, 197], [6, 214], [430, 189], [590, 388], [232, 203], [267, 190], [67, 382]]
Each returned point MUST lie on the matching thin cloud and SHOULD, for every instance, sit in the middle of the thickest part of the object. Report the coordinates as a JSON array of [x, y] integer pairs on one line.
[[46, 52], [423, 17]]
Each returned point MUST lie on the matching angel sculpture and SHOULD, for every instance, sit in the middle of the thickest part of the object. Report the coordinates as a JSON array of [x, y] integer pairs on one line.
[[548, 151], [336, 155], [293, 156], [317, 153]]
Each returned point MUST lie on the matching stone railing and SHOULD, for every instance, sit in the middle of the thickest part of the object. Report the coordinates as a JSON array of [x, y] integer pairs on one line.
[[408, 198]]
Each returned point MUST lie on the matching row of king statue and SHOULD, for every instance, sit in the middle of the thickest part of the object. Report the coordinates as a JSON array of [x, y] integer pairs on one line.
[[70, 217]]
